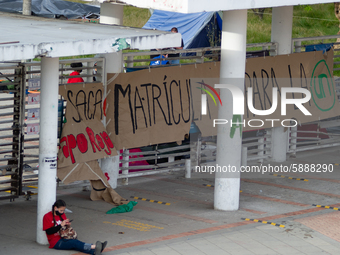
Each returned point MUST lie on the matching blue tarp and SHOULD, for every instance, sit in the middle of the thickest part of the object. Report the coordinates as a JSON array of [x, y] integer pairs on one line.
[[198, 29], [318, 47], [51, 8]]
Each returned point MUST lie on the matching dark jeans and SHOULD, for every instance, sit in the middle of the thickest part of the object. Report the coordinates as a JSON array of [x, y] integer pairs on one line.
[[73, 244]]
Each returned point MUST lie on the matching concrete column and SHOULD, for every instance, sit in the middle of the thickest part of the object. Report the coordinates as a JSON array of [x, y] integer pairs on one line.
[[111, 166], [244, 156], [293, 140], [48, 141], [113, 64], [125, 181], [111, 13], [187, 168], [282, 26], [27, 7], [229, 143]]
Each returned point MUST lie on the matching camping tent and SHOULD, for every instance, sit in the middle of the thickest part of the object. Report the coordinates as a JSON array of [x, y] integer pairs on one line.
[[198, 29], [51, 8]]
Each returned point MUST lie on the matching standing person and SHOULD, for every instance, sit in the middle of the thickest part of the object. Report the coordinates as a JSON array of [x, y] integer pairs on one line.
[[76, 72], [52, 223], [94, 71], [175, 61]]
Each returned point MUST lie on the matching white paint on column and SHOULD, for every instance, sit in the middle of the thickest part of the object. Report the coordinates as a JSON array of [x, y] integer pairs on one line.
[[279, 144], [233, 56], [111, 13], [48, 141], [282, 27], [27, 7], [188, 168], [111, 167], [113, 62]]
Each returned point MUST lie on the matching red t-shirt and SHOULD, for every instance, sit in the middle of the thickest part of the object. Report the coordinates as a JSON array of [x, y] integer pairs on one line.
[[75, 80], [48, 223]]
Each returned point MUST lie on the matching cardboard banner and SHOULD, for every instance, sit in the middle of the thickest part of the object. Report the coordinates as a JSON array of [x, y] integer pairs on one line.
[[81, 172], [100, 188], [158, 105], [101, 192], [309, 70], [149, 107], [84, 137]]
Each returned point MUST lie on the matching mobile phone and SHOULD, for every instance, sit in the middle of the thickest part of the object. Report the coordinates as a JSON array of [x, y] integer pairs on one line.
[[70, 220]]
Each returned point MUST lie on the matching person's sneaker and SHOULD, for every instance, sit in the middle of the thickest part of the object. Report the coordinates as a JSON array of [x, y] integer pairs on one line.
[[98, 249], [103, 246]]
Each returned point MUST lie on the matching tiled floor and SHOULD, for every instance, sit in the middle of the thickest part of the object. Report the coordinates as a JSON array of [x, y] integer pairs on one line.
[[259, 239], [327, 224]]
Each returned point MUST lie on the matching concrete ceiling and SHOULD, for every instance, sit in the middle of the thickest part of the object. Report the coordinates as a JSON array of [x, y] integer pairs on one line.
[[191, 6], [27, 37]]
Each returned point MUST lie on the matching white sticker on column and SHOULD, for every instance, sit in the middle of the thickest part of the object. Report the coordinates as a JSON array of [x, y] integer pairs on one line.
[[51, 161]]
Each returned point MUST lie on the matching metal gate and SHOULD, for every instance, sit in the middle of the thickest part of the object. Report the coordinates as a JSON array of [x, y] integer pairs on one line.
[[19, 121], [12, 105]]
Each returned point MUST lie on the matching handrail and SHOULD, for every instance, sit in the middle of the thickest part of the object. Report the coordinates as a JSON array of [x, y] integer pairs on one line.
[[201, 53], [217, 48], [315, 38]]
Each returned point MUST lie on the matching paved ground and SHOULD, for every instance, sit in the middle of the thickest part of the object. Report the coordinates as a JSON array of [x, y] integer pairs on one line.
[[189, 225]]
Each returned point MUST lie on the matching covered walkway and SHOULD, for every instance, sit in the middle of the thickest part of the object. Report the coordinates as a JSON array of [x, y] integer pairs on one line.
[[26, 38], [189, 226]]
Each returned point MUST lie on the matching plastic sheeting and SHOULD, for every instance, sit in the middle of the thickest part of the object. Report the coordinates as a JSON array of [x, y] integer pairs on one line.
[[51, 8], [123, 208], [198, 29], [318, 47]]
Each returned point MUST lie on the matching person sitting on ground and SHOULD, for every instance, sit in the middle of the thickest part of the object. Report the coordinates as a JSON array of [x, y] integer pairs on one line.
[[76, 72], [54, 220]]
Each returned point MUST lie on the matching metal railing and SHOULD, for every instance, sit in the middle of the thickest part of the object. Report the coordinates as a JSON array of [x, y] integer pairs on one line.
[[157, 160], [315, 135], [299, 45], [258, 148], [11, 127], [141, 59], [19, 151], [200, 152]]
